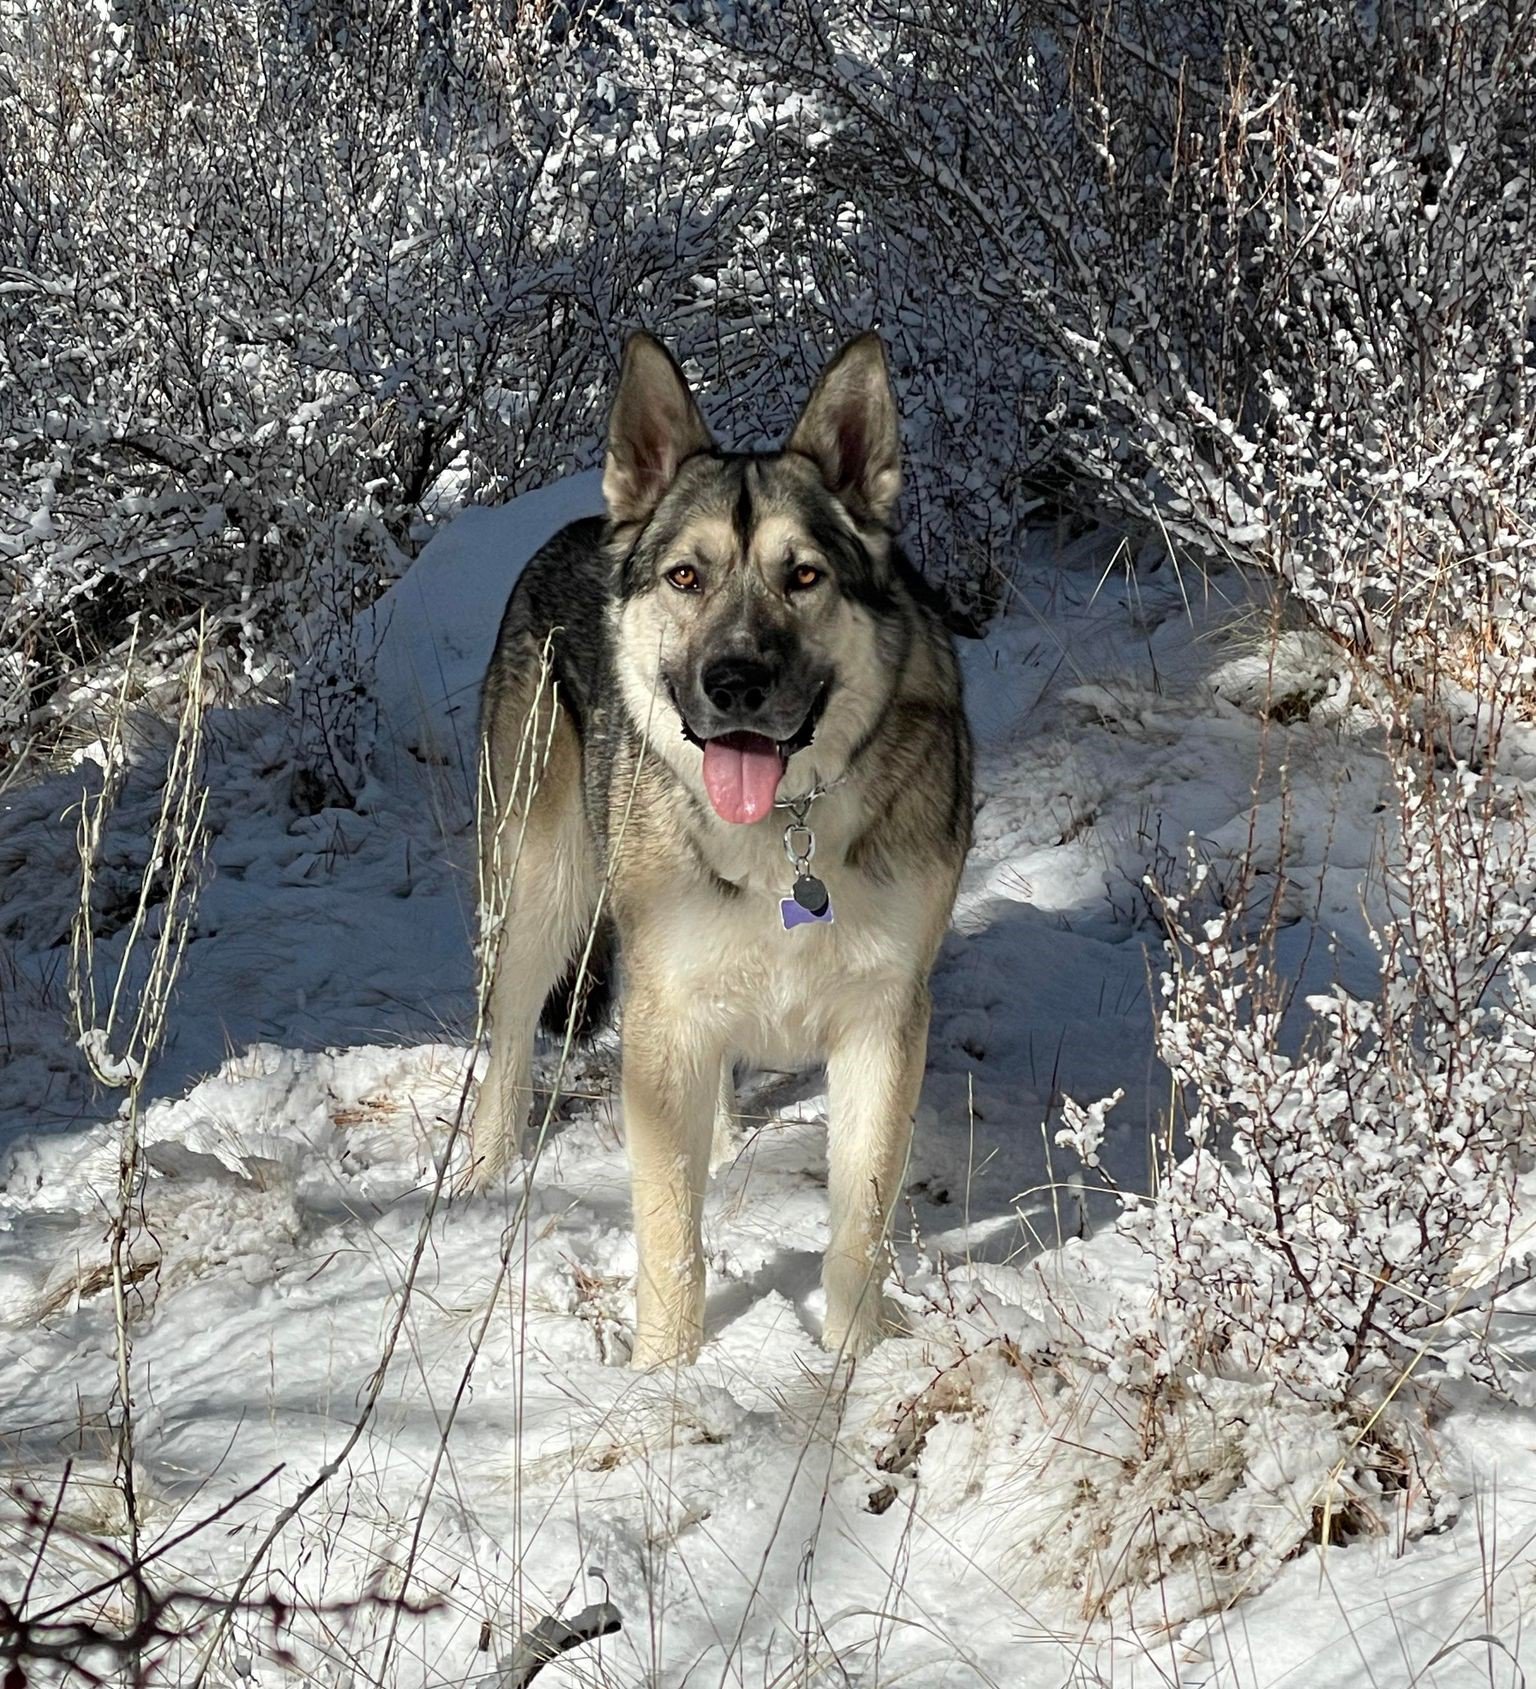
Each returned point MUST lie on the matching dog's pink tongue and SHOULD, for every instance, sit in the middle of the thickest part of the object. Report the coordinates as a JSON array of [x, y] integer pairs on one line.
[[741, 774]]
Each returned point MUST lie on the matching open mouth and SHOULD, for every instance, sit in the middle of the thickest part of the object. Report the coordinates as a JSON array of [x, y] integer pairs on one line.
[[741, 775], [742, 771]]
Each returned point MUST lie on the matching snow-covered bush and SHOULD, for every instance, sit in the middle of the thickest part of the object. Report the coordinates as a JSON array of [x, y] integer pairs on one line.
[[1078, 1480], [279, 282], [280, 279], [1345, 1191], [1256, 1359], [1260, 275], [1347, 1212]]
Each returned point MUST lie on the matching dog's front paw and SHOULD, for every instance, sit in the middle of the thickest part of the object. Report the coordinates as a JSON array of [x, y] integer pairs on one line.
[[663, 1350], [479, 1173], [855, 1332], [495, 1135]]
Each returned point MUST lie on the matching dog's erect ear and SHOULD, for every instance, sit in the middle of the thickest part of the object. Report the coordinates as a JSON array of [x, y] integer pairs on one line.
[[654, 426], [851, 430]]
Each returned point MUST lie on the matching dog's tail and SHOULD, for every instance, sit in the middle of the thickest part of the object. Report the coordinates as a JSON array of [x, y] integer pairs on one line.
[[585, 1010]]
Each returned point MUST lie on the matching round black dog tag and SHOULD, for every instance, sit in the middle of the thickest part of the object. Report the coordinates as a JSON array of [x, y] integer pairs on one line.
[[810, 894]]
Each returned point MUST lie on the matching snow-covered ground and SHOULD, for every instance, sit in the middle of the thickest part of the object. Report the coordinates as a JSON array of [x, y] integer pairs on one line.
[[962, 1509]]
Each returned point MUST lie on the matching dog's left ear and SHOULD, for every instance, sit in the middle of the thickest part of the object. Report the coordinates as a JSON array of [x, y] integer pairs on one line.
[[851, 430]]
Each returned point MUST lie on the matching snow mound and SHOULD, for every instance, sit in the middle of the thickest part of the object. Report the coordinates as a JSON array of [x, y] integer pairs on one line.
[[434, 630]]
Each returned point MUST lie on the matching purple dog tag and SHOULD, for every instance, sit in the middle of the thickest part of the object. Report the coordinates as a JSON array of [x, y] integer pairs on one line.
[[793, 915]]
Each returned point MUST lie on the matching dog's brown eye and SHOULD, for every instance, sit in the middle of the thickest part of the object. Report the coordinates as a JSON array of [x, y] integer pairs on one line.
[[684, 577], [803, 576]]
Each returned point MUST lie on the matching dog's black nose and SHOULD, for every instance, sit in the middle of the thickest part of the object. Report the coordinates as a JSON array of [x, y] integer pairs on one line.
[[738, 686]]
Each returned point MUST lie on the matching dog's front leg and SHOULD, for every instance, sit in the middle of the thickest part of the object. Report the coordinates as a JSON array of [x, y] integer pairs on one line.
[[874, 1075], [671, 1085]]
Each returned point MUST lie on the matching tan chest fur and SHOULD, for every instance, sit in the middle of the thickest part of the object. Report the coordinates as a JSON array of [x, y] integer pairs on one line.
[[722, 959]]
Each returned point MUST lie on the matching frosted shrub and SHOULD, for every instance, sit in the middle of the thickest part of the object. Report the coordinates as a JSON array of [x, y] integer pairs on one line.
[[282, 283], [1256, 277], [1340, 1202], [1339, 1205], [279, 283], [1347, 1212]]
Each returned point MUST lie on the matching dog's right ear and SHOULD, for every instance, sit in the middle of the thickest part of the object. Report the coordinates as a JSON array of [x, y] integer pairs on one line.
[[655, 426]]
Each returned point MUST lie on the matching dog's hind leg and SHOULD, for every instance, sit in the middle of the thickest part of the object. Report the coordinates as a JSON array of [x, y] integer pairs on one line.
[[538, 895], [873, 1078]]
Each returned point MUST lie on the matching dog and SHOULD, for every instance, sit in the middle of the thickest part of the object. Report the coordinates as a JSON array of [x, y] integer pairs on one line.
[[723, 732]]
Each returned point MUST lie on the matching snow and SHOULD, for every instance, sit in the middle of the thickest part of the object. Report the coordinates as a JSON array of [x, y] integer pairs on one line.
[[968, 1506], [434, 630]]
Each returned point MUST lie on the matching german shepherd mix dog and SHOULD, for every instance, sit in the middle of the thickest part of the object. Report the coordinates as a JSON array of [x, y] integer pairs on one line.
[[726, 724]]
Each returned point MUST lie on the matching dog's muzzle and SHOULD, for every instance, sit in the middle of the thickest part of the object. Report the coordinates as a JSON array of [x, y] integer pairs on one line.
[[743, 767]]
